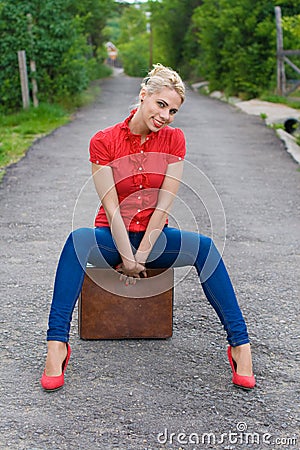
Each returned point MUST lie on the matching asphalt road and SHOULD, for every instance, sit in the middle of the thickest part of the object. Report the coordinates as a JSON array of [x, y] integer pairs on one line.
[[165, 394]]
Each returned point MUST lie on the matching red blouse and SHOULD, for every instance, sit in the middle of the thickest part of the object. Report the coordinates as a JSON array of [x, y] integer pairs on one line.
[[138, 169]]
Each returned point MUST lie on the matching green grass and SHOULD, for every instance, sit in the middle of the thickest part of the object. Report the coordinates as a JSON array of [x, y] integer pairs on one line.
[[83, 99], [273, 98], [18, 131], [263, 116]]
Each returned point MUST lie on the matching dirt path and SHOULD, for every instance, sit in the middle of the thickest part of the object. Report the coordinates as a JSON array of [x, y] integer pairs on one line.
[[142, 394]]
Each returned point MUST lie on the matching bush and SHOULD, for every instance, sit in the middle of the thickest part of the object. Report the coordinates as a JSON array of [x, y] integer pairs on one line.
[[135, 57], [237, 44], [133, 42], [237, 39], [57, 42]]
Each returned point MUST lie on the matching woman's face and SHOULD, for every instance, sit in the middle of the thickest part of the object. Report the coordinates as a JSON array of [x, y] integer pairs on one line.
[[159, 109]]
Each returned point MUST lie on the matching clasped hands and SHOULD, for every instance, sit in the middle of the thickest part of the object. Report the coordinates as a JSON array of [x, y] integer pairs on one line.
[[131, 271]]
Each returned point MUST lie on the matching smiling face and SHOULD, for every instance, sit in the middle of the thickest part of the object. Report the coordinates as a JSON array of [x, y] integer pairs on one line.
[[158, 110]]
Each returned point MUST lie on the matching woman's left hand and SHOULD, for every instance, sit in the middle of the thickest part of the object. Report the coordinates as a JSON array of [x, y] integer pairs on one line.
[[129, 275]]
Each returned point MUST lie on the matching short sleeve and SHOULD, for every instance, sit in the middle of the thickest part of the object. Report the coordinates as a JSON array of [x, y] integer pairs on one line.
[[178, 146], [99, 150]]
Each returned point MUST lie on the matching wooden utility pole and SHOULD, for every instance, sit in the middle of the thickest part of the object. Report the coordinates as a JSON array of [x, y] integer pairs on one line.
[[281, 79], [150, 32], [151, 48], [34, 84], [23, 78], [32, 65]]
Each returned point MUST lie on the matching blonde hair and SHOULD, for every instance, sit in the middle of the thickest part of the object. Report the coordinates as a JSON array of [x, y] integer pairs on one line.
[[160, 77]]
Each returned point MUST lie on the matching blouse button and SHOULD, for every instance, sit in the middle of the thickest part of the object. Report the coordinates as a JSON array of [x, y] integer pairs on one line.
[[138, 210], [137, 222], [142, 151], [139, 197], [140, 168], [141, 186]]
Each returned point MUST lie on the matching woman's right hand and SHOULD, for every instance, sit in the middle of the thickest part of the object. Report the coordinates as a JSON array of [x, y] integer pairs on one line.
[[130, 271]]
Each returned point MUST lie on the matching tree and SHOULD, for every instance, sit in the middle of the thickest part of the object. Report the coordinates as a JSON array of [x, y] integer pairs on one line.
[[93, 15], [171, 21], [291, 41], [238, 44], [230, 43], [58, 42], [133, 42]]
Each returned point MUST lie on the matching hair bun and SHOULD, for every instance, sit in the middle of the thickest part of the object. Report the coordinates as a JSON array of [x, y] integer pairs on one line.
[[160, 77]]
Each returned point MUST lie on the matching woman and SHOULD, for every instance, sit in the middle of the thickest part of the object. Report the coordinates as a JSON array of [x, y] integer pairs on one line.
[[137, 167]]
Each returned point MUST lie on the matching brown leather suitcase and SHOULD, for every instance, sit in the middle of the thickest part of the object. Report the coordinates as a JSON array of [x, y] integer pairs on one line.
[[110, 310]]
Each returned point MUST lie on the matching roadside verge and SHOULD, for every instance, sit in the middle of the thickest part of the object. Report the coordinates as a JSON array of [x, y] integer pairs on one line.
[[273, 114]]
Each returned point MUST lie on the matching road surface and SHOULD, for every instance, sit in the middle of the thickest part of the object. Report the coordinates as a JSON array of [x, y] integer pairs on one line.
[[165, 394]]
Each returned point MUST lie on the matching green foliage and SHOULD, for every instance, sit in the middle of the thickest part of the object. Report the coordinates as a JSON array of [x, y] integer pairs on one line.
[[273, 98], [133, 42], [291, 39], [111, 31], [291, 27], [135, 57], [230, 43], [237, 38], [132, 24], [19, 130], [94, 15], [63, 38], [171, 20]]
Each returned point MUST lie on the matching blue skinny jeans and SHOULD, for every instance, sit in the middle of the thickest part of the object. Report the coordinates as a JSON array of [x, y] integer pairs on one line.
[[173, 248]]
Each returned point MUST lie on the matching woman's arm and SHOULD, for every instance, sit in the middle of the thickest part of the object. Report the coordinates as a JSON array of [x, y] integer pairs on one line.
[[166, 197], [105, 187]]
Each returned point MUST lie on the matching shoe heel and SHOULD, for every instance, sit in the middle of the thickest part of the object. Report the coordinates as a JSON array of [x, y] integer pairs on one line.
[[242, 381], [51, 384]]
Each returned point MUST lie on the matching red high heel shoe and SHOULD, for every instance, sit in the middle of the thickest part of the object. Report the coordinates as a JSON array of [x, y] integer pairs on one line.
[[54, 383], [242, 381]]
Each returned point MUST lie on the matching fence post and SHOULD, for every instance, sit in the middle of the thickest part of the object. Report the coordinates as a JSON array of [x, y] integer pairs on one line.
[[34, 84], [23, 78], [32, 65], [281, 80]]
